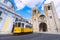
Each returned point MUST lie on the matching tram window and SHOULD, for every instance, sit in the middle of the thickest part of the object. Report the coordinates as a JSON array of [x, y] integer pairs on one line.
[[19, 24], [22, 24], [16, 24], [27, 22], [27, 26]]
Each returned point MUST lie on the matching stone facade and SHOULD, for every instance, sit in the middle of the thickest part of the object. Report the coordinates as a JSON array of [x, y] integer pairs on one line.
[[46, 22]]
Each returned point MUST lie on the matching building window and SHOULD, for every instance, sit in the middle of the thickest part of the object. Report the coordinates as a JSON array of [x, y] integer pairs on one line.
[[34, 11], [50, 16], [16, 19], [0, 13], [48, 7]]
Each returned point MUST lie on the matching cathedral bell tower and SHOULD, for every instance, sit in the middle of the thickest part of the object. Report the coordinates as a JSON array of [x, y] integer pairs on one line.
[[52, 18], [34, 18], [35, 13]]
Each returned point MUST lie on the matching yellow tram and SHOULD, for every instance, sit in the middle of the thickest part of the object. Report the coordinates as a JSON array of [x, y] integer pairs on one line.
[[21, 27]]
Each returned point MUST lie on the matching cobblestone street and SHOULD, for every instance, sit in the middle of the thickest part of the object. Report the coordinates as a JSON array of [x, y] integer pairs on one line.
[[35, 36]]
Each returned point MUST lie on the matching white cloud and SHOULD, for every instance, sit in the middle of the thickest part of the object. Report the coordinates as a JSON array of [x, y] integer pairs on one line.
[[56, 4], [30, 3], [19, 4]]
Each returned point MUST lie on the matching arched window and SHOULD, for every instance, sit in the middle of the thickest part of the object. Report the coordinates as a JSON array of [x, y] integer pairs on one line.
[[42, 17], [49, 8], [34, 11]]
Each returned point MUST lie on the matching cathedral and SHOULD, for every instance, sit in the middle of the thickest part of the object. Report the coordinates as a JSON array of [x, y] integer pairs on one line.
[[47, 21]]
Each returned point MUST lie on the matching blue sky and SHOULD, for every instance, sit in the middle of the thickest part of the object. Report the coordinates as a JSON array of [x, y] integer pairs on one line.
[[24, 7]]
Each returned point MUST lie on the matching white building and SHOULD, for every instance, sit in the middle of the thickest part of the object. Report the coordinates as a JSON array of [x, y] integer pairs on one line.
[[8, 17]]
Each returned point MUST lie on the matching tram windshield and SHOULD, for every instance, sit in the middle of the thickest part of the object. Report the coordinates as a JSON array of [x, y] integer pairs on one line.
[[28, 26]]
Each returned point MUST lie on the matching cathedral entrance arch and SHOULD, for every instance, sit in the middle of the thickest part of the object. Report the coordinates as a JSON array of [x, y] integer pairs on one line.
[[42, 27]]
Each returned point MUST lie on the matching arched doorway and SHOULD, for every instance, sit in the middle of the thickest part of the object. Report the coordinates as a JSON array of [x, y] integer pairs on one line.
[[42, 27]]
